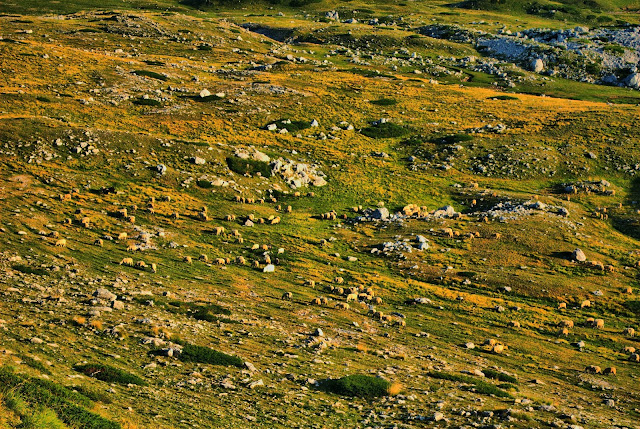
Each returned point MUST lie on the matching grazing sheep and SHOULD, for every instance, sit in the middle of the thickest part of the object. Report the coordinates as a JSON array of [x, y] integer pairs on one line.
[[255, 247], [338, 280], [203, 216], [175, 215], [324, 300], [567, 323], [564, 332], [54, 234], [514, 324], [629, 289], [609, 269], [256, 264], [630, 332], [401, 323], [338, 291], [127, 261], [221, 261], [131, 219], [610, 370], [490, 342], [316, 301], [289, 209], [287, 296], [204, 258], [635, 357], [378, 315], [447, 232], [230, 217], [219, 230], [61, 243], [598, 324], [122, 236], [98, 242], [370, 291], [562, 305], [235, 233], [251, 217], [267, 259], [188, 259], [85, 222], [264, 247], [65, 197], [594, 369], [497, 236], [240, 240], [154, 267], [585, 304], [630, 349], [132, 248], [240, 260], [275, 220], [498, 348], [342, 306], [122, 213], [141, 264], [352, 297], [311, 283], [377, 300]]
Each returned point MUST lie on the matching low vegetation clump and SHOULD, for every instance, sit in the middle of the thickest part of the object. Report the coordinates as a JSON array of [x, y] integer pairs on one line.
[[151, 74], [477, 385], [504, 97], [200, 354], [363, 386], [249, 166], [501, 376], [385, 130], [109, 374], [385, 102], [292, 125]]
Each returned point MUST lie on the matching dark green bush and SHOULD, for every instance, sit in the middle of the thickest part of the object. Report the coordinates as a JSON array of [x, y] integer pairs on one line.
[[199, 354], [363, 386], [503, 97], [30, 270], [151, 74], [478, 385], [109, 374], [293, 126], [385, 102], [250, 166], [385, 131]]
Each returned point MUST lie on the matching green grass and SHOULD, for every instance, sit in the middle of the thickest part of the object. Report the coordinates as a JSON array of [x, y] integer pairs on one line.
[[293, 126], [501, 376], [151, 74], [503, 97], [109, 374], [200, 354], [363, 386], [147, 102]]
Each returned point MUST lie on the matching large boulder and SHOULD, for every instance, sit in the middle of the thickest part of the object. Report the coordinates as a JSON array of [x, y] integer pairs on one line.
[[381, 213], [578, 255], [537, 65], [633, 80]]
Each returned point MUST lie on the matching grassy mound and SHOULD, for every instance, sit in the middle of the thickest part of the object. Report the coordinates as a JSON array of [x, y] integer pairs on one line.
[[199, 354], [292, 126], [385, 131], [478, 385], [42, 401], [363, 386], [109, 374]]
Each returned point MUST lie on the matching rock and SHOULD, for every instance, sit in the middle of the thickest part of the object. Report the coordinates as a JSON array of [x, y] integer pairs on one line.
[[633, 80], [36, 340], [318, 332], [117, 305], [161, 169], [332, 15], [580, 344], [102, 293], [470, 346], [197, 160], [250, 367], [437, 416], [255, 384], [536, 65], [269, 268], [248, 222], [381, 213], [315, 124], [205, 93], [352, 258], [610, 403], [272, 127], [578, 255]]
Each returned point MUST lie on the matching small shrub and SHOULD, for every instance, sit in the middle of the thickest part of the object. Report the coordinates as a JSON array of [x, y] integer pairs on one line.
[[209, 313], [43, 418], [79, 320], [147, 102], [154, 63], [96, 324], [249, 166], [385, 131], [293, 126], [30, 270], [385, 101], [109, 374], [363, 386], [501, 376], [479, 385], [151, 74], [503, 97], [199, 354], [43, 99]]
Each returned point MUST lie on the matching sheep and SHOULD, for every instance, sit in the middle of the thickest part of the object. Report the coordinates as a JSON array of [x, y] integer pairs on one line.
[[230, 217], [386, 318], [498, 348], [132, 248], [311, 283], [352, 297], [378, 315], [204, 258], [287, 296], [629, 290], [514, 324], [219, 230], [127, 261], [567, 323], [175, 215], [338, 280], [85, 221], [256, 264], [235, 233], [240, 240], [98, 242], [123, 236], [251, 217], [610, 370], [122, 213], [61, 243], [141, 264], [635, 357], [54, 234], [353, 290], [370, 291], [497, 236], [377, 300], [594, 369], [598, 324], [203, 216], [324, 300], [221, 261], [316, 301], [564, 332], [264, 247], [585, 304], [342, 306], [65, 197], [562, 305], [289, 209], [275, 220], [401, 323], [255, 247], [131, 219], [267, 259], [338, 291], [630, 349], [240, 260], [609, 269], [188, 259], [447, 232], [154, 267]]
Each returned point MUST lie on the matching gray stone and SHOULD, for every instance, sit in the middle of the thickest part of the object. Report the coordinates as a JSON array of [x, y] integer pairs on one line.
[[578, 255], [197, 160], [537, 65], [102, 293], [381, 213]]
